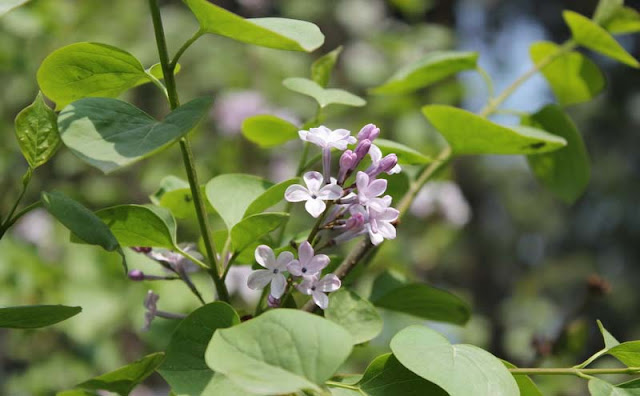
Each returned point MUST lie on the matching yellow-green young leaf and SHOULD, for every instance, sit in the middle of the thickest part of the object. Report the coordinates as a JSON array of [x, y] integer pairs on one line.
[[35, 316], [355, 314], [110, 134], [566, 172], [609, 340], [83, 70], [268, 130], [123, 380], [605, 10], [322, 67], [324, 96], [525, 383], [280, 33], [406, 155], [184, 367], [8, 5], [460, 370], [255, 227], [573, 77], [137, 225], [468, 133], [271, 197], [627, 352], [281, 351], [430, 69], [596, 38], [37, 132], [625, 20], [156, 70]]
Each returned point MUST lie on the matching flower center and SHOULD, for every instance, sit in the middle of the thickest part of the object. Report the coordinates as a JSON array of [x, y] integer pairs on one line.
[[275, 270], [304, 270], [314, 196], [313, 288]]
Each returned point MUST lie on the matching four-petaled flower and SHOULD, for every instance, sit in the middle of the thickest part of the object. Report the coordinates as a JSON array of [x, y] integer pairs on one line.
[[316, 288], [378, 219], [328, 139], [259, 279], [308, 264], [369, 188], [314, 194], [377, 160]]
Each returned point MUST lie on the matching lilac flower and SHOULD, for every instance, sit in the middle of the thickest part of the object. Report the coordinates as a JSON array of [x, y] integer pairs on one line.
[[354, 226], [369, 131], [379, 164], [369, 188], [362, 149], [176, 261], [348, 161], [314, 194], [259, 279], [317, 288], [378, 218], [307, 263], [328, 139]]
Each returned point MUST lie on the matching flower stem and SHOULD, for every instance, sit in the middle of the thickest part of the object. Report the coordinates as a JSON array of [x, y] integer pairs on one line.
[[187, 154], [10, 219], [187, 44]]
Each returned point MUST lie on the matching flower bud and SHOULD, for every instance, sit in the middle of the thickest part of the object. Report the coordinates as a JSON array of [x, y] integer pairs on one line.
[[273, 302], [387, 163], [348, 160], [369, 131], [141, 249], [362, 149], [136, 275], [354, 222]]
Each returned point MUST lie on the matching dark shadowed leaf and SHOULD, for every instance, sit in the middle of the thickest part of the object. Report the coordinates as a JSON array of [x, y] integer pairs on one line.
[[254, 227], [34, 316], [137, 225]]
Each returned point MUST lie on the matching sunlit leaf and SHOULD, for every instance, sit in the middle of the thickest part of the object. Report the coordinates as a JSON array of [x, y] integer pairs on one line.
[[627, 352], [37, 132], [324, 96], [355, 314], [268, 130], [232, 194], [625, 20]]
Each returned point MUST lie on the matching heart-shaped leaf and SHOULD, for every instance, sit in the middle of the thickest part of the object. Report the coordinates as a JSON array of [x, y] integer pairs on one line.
[[268, 131], [110, 134], [355, 314], [280, 351], [280, 33], [184, 367], [254, 227], [468, 133], [430, 69], [460, 369], [35, 316], [37, 132], [137, 225], [573, 77], [322, 67], [591, 35], [84, 70], [324, 96], [566, 172], [232, 194], [406, 155], [123, 380]]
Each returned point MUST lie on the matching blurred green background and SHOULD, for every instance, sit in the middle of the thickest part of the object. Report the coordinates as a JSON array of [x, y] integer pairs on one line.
[[537, 272]]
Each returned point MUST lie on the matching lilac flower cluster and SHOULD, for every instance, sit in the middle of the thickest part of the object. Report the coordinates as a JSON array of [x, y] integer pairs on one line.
[[356, 209]]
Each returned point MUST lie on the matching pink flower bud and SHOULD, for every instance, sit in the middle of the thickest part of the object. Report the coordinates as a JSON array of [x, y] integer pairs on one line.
[[141, 249], [136, 275]]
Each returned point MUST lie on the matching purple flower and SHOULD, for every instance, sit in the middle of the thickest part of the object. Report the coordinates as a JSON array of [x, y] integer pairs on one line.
[[378, 219], [317, 288], [379, 164], [369, 131], [307, 263], [348, 161], [314, 194], [273, 273], [327, 139], [369, 188]]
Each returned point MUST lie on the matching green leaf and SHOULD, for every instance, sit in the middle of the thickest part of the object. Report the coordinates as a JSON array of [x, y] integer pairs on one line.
[[156, 70], [573, 77], [596, 38], [460, 369], [468, 133], [84, 70], [406, 155], [598, 387], [525, 383], [254, 227], [123, 380], [184, 367], [385, 376], [625, 20], [222, 386], [609, 340], [280, 33], [627, 352], [34, 316], [137, 225], [268, 130], [322, 67], [82, 222], [280, 351], [355, 314], [271, 197], [76, 392], [633, 384], [430, 69], [426, 302], [167, 184], [37, 132], [232, 194], [566, 172], [605, 10], [110, 134], [8, 5], [324, 96]]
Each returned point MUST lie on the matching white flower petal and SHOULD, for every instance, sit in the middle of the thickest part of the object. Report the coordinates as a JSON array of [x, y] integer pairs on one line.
[[303, 135], [305, 286], [317, 264], [283, 260], [375, 153], [329, 283], [387, 230], [305, 252], [395, 169], [296, 193], [321, 299], [295, 268], [362, 181], [315, 207], [278, 284], [265, 257], [259, 279], [339, 134], [375, 237], [388, 215], [330, 192], [376, 187], [314, 181]]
